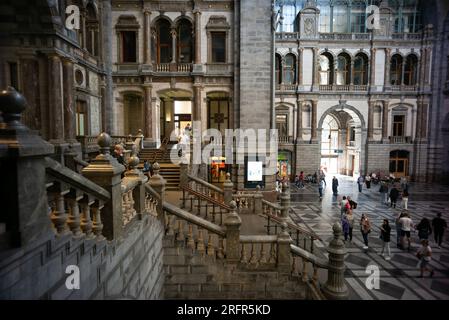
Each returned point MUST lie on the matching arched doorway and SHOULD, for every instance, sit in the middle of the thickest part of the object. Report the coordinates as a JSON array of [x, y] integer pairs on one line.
[[342, 135], [399, 163], [133, 119]]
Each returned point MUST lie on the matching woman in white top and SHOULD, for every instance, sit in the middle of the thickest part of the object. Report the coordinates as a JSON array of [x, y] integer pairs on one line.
[[424, 255]]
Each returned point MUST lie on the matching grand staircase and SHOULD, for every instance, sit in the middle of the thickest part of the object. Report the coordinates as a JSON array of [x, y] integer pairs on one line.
[[168, 170]]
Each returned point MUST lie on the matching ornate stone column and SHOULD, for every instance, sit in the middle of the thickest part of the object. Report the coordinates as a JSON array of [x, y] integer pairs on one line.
[[351, 74], [173, 42], [69, 104], [197, 86], [419, 108], [300, 56], [299, 121], [55, 99], [387, 68], [147, 37], [385, 122], [315, 79], [371, 120], [197, 15], [314, 121], [372, 67], [148, 112]]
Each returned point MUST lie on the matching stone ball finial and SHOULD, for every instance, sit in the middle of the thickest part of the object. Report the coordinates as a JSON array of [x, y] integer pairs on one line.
[[336, 228], [156, 168], [139, 132], [11, 101], [233, 205], [258, 188], [104, 141], [133, 161]]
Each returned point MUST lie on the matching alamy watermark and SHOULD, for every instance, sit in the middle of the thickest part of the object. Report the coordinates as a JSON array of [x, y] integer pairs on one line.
[[373, 17], [373, 280]]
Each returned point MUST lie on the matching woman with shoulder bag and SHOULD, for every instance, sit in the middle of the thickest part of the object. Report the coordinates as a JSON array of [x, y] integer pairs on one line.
[[365, 228]]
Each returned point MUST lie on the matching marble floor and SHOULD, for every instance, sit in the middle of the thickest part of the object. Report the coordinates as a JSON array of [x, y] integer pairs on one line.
[[398, 276]]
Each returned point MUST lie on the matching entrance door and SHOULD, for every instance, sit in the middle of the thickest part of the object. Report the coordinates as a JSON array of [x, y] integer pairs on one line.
[[182, 115], [399, 161]]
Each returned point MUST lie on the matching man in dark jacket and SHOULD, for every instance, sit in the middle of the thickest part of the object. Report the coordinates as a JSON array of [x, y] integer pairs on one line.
[[439, 225], [394, 195], [335, 186]]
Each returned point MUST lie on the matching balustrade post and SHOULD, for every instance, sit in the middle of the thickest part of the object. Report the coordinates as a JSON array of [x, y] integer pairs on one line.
[[258, 197], [22, 191], [285, 201], [227, 188], [284, 255], [105, 171], [157, 182], [139, 190], [183, 171], [74, 219], [335, 287], [232, 223]]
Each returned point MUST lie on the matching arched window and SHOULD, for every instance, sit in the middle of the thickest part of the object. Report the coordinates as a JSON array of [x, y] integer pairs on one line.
[[325, 69], [343, 69], [278, 69], [289, 68], [164, 42], [185, 42], [396, 70], [360, 69], [92, 30], [410, 70], [329, 135]]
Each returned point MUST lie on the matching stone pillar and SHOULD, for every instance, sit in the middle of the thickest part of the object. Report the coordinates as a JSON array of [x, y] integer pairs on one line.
[[23, 193], [147, 38], [314, 121], [315, 79], [173, 48], [56, 103], [351, 74], [258, 197], [371, 120], [385, 122], [196, 116], [387, 68], [157, 182], [105, 171], [335, 287], [284, 262], [197, 14], [148, 112], [228, 187], [232, 223], [372, 66], [139, 190], [285, 201], [107, 38], [69, 104], [299, 121], [299, 64]]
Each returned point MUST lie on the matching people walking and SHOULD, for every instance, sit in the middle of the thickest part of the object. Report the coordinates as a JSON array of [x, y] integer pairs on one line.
[[365, 228], [343, 208], [350, 218], [301, 179], [394, 195], [405, 199], [383, 192], [424, 254], [439, 226], [404, 184], [320, 188], [360, 182], [424, 229], [406, 227], [335, 186], [385, 231], [368, 181]]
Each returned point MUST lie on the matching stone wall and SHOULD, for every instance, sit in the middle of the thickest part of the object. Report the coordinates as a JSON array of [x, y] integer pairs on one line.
[[129, 268], [308, 157]]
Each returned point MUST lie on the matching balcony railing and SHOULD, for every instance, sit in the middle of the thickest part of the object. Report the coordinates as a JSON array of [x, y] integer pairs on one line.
[[400, 139], [215, 68], [285, 139], [344, 36], [286, 87], [287, 35], [406, 36], [403, 88], [172, 67], [334, 87]]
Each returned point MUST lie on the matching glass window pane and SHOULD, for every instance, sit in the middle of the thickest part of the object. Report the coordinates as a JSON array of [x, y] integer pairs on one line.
[[183, 107], [218, 46]]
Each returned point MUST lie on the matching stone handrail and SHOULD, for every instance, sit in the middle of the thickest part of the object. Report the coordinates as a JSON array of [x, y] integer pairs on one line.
[[310, 257], [205, 184]]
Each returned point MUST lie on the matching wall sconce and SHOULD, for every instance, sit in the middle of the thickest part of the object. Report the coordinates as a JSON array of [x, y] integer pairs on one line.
[[167, 118]]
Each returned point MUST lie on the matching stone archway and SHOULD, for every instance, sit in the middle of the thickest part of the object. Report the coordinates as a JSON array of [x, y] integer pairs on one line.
[[342, 137]]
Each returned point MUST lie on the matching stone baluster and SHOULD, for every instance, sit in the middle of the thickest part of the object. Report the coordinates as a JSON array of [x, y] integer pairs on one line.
[[263, 256], [138, 193], [200, 242], [86, 221], [220, 250], [105, 171], [232, 223], [243, 257], [157, 182], [58, 213], [73, 220], [335, 287], [190, 241], [210, 246], [23, 153], [97, 225]]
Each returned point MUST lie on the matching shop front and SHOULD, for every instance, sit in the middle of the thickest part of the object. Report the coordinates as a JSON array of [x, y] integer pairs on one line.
[[284, 164]]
